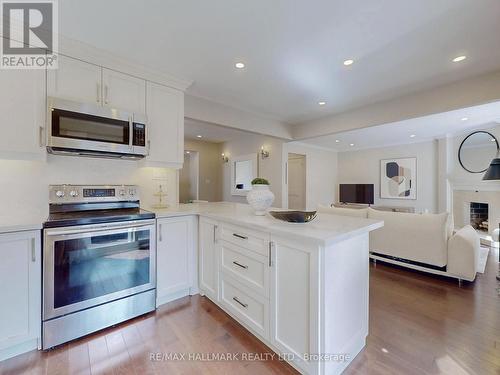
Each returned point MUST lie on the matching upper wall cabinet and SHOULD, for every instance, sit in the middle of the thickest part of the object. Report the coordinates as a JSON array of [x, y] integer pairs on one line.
[[22, 114], [81, 81], [75, 80], [165, 112], [123, 91]]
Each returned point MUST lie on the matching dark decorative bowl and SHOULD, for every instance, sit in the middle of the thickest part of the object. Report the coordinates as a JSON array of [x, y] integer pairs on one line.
[[294, 216]]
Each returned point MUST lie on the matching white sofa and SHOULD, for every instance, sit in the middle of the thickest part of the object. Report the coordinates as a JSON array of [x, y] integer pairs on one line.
[[420, 241]]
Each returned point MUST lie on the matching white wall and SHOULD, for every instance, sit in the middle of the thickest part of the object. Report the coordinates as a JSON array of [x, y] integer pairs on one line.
[[269, 168], [321, 174], [363, 167], [24, 184]]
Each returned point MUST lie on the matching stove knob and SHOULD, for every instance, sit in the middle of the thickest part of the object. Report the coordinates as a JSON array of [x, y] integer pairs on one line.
[[73, 193], [131, 192], [59, 193], [121, 192]]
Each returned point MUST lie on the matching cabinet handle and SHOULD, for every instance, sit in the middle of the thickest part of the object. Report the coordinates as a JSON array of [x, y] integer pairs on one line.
[[160, 237], [40, 135], [241, 303], [240, 236], [215, 237], [271, 253], [240, 265], [33, 250], [97, 98], [106, 94]]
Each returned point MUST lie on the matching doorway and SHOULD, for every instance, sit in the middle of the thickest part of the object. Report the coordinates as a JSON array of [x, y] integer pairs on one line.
[[189, 177], [296, 181]]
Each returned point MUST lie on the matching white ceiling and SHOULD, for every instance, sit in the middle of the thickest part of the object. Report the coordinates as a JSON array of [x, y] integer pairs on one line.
[[210, 132], [293, 50], [424, 128]]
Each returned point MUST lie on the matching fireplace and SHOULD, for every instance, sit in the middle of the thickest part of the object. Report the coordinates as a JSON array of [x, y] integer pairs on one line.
[[479, 216]]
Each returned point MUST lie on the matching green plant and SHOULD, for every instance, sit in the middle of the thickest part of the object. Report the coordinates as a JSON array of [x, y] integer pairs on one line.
[[260, 181]]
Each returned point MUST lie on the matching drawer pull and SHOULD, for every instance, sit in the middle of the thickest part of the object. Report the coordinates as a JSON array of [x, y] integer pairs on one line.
[[240, 265], [240, 236], [241, 303]]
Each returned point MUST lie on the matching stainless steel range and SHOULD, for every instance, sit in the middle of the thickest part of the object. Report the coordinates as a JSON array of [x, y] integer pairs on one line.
[[99, 260]]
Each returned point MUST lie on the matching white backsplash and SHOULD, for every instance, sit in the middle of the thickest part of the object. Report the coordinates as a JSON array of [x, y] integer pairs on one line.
[[24, 184]]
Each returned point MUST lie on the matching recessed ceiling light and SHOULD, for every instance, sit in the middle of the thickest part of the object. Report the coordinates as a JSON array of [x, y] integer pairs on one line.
[[337, 141], [239, 65], [348, 62], [199, 136], [352, 144], [187, 152], [412, 136], [464, 118], [459, 58], [322, 102]]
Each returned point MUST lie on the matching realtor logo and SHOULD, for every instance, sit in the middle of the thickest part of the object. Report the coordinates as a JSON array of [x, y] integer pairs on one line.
[[29, 34]]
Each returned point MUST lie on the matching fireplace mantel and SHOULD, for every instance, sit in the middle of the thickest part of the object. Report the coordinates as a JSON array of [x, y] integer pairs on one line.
[[479, 186]]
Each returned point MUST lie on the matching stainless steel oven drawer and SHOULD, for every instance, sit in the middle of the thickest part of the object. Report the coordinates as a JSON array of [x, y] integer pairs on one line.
[[72, 326]]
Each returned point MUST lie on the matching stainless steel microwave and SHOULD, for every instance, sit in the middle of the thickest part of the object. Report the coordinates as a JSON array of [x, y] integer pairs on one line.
[[86, 129]]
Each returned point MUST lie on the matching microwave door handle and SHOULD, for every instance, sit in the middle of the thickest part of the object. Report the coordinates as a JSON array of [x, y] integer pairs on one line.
[[131, 132]]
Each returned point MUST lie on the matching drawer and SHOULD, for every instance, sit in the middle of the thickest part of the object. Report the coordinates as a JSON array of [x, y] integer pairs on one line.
[[247, 267], [247, 307], [247, 238]]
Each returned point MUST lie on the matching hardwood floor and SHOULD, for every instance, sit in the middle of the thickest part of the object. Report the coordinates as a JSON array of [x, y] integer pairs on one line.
[[419, 324]]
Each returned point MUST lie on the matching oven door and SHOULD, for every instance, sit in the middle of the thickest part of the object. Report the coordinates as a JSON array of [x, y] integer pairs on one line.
[[88, 265]]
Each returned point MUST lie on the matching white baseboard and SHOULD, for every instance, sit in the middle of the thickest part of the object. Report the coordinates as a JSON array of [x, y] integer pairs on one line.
[[18, 349], [161, 300]]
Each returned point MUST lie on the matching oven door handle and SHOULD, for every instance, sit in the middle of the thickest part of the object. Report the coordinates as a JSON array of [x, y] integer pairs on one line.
[[95, 229]]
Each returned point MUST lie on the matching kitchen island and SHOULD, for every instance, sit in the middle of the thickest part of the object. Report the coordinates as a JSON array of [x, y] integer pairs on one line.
[[302, 289]]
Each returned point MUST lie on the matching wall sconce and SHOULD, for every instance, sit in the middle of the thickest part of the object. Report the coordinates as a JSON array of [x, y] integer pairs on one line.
[[263, 153], [225, 159]]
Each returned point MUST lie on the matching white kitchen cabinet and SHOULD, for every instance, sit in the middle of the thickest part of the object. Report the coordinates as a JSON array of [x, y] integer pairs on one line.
[[165, 113], [176, 258], [88, 83], [294, 288], [123, 91], [209, 258], [22, 114], [75, 80], [20, 293]]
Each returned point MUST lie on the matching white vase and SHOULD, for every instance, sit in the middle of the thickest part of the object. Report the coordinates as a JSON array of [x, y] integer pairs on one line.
[[260, 198]]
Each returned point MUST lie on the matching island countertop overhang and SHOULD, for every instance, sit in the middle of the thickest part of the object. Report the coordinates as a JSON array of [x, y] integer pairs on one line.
[[324, 230]]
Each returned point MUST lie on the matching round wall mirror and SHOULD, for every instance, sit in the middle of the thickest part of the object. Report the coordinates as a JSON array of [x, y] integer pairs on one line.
[[477, 150]]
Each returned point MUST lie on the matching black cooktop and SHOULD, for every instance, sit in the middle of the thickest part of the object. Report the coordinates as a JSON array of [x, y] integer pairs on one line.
[[64, 219]]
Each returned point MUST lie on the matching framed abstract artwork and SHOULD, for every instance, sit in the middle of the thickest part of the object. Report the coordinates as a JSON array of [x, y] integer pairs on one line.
[[398, 178]]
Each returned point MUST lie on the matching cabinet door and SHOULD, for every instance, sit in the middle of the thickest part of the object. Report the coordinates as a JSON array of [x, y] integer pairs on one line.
[[22, 114], [165, 112], [75, 80], [294, 287], [176, 258], [209, 259], [20, 280], [120, 90]]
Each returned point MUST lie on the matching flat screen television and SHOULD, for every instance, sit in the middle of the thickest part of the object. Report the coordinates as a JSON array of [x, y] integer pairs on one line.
[[356, 193]]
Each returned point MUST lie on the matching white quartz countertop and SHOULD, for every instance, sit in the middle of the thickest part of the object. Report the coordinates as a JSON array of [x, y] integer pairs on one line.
[[21, 222], [325, 229]]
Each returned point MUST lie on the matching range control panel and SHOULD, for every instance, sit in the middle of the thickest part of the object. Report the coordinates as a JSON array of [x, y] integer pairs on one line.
[[92, 193]]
